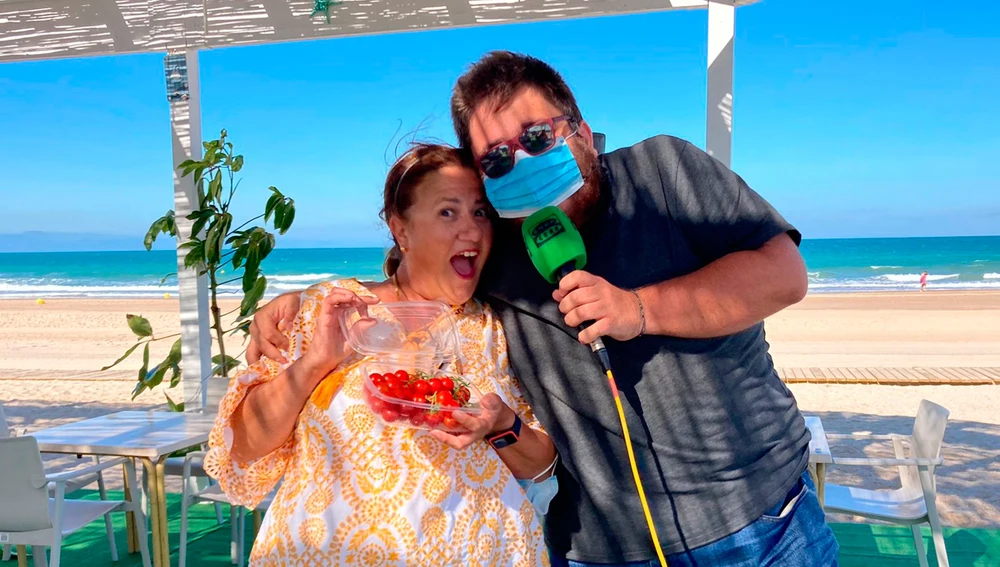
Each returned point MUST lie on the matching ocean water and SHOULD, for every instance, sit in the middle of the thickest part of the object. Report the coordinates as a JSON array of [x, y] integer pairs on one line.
[[835, 265]]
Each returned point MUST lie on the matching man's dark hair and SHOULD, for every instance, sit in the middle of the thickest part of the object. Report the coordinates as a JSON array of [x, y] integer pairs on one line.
[[496, 78]]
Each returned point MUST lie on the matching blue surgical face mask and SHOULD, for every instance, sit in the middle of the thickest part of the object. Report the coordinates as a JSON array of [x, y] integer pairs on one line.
[[535, 182], [540, 494]]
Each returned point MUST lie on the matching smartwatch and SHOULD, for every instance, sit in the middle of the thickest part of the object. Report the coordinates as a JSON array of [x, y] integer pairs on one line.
[[507, 437]]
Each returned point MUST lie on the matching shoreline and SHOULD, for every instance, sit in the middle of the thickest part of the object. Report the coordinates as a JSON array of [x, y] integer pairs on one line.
[[73, 338]]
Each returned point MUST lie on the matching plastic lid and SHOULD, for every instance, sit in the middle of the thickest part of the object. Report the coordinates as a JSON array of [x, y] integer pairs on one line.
[[423, 333]]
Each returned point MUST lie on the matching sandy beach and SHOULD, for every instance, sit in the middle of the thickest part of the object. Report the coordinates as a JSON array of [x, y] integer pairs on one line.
[[52, 355]]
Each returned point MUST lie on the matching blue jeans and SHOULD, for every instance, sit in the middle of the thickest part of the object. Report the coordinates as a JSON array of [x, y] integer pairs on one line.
[[800, 538]]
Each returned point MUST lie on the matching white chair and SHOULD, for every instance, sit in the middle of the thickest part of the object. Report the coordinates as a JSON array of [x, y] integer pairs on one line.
[[72, 484], [915, 502], [198, 478], [29, 517], [213, 493]]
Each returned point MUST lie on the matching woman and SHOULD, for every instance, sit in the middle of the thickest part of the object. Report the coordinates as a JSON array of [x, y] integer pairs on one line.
[[355, 491]]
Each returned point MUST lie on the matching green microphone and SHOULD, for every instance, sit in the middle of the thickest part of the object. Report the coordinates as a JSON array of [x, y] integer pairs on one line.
[[556, 249]]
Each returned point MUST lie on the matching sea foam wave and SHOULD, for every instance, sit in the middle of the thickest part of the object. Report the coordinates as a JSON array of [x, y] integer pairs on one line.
[[302, 278], [834, 286], [916, 277]]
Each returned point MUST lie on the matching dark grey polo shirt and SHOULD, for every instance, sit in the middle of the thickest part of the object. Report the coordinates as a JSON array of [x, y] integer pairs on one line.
[[717, 435]]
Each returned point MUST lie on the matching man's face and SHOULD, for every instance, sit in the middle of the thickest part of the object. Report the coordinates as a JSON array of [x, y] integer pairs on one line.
[[491, 124]]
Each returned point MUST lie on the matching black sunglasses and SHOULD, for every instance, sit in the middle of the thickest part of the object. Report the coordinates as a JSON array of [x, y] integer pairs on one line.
[[536, 139]]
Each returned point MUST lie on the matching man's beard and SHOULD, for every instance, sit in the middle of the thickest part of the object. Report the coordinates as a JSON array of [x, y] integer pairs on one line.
[[582, 205]]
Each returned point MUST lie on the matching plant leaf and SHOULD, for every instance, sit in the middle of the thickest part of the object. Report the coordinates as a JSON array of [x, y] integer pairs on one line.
[[175, 376], [279, 214], [174, 357], [201, 217], [171, 223], [243, 327], [164, 224], [196, 255], [238, 257], [139, 388], [289, 217], [237, 163], [255, 294], [123, 357], [139, 325], [215, 187], [159, 372], [154, 230], [144, 371], [231, 364], [173, 405], [225, 223], [272, 202]]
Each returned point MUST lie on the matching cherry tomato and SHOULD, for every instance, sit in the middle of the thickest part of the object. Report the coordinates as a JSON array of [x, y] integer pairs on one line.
[[406, 410], [417, 398], [402, 376], [392, 382], [433, 419], [443, 397], [463, 395], [375, 377], [449, 422], [450, 404], [417, 418], [435, 384], [399, 394], [376, 404], [406, 393], [447, 384], [389, 415], [421, 387], [385, 390]]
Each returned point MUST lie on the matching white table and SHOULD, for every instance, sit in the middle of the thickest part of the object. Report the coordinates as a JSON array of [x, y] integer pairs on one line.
[[819, 453], [148, 436]]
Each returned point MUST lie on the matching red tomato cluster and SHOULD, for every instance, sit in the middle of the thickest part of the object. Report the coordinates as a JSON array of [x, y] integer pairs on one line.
[[442, 393]]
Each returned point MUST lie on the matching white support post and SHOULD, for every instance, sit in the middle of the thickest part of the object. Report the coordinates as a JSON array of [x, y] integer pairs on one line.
[[719, 127], [184, 94]]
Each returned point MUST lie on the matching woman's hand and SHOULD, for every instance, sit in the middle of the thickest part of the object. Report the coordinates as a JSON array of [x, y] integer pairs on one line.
[[266, 336], [328, 347], [496, 416]]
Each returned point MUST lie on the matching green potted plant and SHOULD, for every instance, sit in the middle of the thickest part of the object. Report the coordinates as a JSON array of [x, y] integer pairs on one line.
[[213, 246]]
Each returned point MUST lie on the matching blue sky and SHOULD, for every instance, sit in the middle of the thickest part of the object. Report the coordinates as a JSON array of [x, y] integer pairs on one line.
[[853, 118]]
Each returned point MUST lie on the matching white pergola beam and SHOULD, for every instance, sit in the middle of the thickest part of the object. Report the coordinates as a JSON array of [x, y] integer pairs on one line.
[[47, 29], [719, 127], [196, 341]]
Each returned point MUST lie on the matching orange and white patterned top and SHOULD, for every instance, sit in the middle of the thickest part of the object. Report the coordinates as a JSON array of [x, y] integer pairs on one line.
[[358, 492]]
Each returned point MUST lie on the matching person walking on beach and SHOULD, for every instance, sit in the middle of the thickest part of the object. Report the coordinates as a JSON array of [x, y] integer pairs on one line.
[[684, 262], [923, 281]]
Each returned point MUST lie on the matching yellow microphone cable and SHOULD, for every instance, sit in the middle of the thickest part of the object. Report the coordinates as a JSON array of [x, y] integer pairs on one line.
[[602, 354]]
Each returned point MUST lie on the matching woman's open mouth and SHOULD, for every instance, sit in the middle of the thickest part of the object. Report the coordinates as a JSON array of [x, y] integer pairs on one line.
[[464, 264]]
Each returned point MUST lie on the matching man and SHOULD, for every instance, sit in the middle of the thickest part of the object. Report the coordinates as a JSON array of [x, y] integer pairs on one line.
[[684, 263]]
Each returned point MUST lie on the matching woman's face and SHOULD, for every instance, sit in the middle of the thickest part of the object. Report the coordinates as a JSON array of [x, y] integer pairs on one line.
[[447, 234]]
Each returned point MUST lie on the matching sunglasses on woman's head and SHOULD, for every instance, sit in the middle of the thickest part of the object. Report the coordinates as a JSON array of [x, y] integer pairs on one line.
[[536, 139]]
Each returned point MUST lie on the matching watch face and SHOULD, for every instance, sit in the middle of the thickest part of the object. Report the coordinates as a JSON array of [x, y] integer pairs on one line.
[[504, 440]]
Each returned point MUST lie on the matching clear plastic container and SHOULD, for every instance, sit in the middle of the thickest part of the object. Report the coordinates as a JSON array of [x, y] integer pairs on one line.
[[410, 413], [422, 335], [416, 337]]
